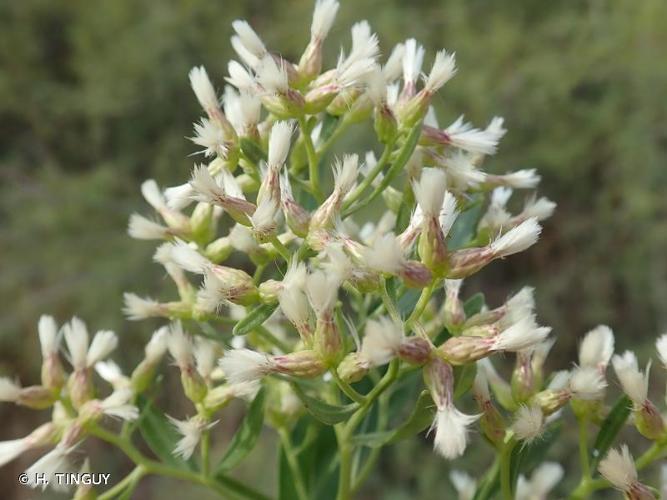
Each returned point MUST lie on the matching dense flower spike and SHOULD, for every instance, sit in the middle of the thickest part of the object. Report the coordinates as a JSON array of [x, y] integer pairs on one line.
[[298, 294]]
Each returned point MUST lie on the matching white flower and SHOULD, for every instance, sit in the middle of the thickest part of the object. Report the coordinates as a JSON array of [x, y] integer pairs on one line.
[[179, 197], [157, 345], [57, 460], [444, 68], [112, 373], [203, 88], [464, 485], [205, 187], [191, 430], [264, 219], [76, 337], [528, 423], [322, 291], [250, 40], [517, 239], [209, 136], [48, 336], [448, 213], [521, 335], [464, 136], [243, 110], [137, 308], [271, 76], [245, 365], [206, 354], [451, 431], [141, 228], [189, 259], [413, 58], [661, 346], [103, 343], [541, 208], [180, 345], [543, 479], [587, 383], [345, 174], [118, 405], [393, 68], [633, 381], [597, 348], [430, 191], [386, 254], [519, 305], [521, 179], [9, 450], [382, 340], [323, 18], [279, 142], [618, 468], [462, 173], [239, 77]]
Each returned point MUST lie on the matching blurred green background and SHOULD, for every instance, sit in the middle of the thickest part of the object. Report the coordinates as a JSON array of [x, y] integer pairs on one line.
[[94, 98]]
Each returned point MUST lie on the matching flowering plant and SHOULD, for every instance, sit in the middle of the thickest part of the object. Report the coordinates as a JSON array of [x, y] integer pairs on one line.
[[333, 321]]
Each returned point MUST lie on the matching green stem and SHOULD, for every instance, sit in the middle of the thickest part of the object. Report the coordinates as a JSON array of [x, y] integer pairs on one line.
[[650, 455], [583, 448], [347, 388], [127, 482], [224, 486], [490, 478], [506, 486], [293, 463], [205, 451], [389, 303], [313, 162], [383, 417], [340, 128], [421, 305], [368, 180], [345, 472], [281, 248], [257, 275]]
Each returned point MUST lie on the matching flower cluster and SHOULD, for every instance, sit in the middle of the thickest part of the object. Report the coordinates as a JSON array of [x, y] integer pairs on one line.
[[285, 269]]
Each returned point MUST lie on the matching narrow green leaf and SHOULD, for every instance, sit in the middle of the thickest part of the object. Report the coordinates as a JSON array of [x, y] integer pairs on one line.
[[329, 124], [490, 483], [474, 304], [609, 429], [160, 435], [465, 228], [420, 418], [245, 438], [408, 301], [526, 456], [324, 412], [254, 318], [252, 150]]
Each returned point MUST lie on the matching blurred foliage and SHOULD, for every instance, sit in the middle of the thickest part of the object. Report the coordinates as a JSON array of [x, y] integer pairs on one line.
[[94, 98]]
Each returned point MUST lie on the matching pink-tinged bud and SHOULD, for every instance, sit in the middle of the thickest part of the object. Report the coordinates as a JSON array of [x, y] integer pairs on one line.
[[80, 387], [322, 291], [353, 367], [491, 422], [287, 104], [345, 175], [466, 262], [53, 374], [296, 217], [36, 397], [207, 189], [618, 467], [453, 308], [551, 400], [344, 101], [415, 350], [649, 421], [523, 379], [415, 274], [226, 283], [464, 349], [194, 386], [306, 363], [385, 124]]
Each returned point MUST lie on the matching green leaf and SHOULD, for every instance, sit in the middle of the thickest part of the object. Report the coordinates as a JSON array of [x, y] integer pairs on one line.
[[245, 438], [490, 483], [609, 429], [464, 376], [254, 318], [160, 435], [329, 124], [252, 150], [474, 304], [465, 228], [324, 412], [286, 488], [420, 418], [408, 301]]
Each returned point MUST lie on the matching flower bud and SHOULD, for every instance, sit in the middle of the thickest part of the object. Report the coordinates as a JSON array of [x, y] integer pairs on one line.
[[453, 307], [322, 291], [415, 350], [385, 124], [219, 250], [80, 387], [36, 397], [353, 367], [306, 363], [269, 291], [491, 422], [202, 222]]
